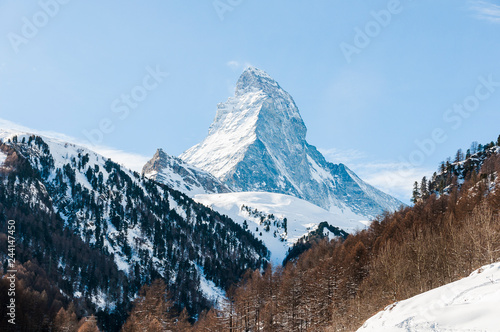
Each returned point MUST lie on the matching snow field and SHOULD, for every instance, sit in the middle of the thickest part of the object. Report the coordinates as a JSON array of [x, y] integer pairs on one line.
[[469, 304], [302, 217]]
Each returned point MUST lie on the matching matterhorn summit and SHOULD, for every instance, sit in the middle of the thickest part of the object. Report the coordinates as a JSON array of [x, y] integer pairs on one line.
[[257, 142]]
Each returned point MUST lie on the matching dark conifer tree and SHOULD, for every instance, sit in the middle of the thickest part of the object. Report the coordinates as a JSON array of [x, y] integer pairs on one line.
[[424, 189]]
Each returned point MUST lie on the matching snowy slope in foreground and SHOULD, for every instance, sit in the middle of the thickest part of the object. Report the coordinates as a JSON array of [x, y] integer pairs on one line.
[[470, 304], [301, 216]]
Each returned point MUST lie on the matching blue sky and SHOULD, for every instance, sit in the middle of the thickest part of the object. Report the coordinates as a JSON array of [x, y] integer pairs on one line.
[[65, 66]]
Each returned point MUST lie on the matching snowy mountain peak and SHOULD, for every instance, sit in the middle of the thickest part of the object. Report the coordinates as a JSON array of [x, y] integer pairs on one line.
[[255, 79], [257, 142], [257, 97]]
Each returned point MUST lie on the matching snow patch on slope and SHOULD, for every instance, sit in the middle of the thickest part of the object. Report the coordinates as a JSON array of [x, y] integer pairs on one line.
[[302, 217], [210, 290], [469, 304], [3, 157]]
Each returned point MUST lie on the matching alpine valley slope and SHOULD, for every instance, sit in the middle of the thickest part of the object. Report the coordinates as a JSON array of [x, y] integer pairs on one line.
[[257, 143]]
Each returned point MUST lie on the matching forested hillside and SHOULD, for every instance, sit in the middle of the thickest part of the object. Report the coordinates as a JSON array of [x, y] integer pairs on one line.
[[98, 232], [51, 261], [478, 160], [337, 285]]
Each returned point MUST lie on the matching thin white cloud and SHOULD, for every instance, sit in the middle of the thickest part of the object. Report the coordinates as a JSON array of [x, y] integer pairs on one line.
[[393, 178], [485, 10], [233, 64], [342, 156], [238, 65], [133, 161]]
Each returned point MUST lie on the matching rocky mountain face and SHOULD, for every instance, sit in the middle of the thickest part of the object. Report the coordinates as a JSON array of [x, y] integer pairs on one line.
[[257, 142], [180, 176]]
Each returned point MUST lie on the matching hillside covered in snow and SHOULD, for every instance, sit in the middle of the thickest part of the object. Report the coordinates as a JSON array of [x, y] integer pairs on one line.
[[276, 219], [469, 304]]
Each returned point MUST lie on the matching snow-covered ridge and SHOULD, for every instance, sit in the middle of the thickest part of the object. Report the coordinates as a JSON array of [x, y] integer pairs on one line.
[[132, 161], [257, 142], [289, 218], [469, 304]]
